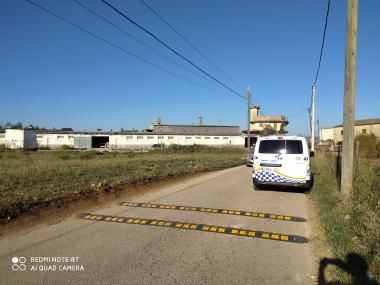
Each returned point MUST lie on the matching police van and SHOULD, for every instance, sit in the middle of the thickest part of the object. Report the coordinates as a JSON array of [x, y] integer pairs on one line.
[[282, 161]]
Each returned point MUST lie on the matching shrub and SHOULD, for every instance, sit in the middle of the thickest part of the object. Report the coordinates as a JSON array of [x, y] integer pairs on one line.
[[67, 147], [369, 146], [42, 147], [178, 149]]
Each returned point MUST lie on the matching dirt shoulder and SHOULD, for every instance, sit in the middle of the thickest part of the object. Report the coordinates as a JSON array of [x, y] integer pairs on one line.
[[30, 181], [53, 213], [318, 242]]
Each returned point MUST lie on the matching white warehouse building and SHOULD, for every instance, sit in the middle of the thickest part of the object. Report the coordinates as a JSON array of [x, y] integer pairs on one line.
[[157, 134], [146, 140]]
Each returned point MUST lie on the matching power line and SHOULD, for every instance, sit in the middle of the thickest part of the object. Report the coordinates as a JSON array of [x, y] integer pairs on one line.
[[171, 49], [190, 44], [298, 113], [323, 43], [118, 47], [136, 39]]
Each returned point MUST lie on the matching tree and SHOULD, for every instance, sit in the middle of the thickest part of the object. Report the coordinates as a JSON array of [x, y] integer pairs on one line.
[[18, 125], [282, 130], [268, 130]]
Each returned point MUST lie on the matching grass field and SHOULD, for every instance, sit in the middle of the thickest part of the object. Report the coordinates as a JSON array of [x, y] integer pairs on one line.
[[29, 179], [352, 230]]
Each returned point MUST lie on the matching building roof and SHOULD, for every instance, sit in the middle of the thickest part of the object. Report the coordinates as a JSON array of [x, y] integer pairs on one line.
[[374, 121], [158, 129], [204, 126]]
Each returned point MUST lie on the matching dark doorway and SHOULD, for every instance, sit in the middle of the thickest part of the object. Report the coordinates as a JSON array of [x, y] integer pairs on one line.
[[100, 141]]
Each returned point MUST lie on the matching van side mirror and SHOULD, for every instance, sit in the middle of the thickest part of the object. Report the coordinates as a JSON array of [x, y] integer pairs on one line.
[[311, 154]]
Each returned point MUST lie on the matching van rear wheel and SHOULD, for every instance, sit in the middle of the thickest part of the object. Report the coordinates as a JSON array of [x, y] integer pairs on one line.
[[256, 187]]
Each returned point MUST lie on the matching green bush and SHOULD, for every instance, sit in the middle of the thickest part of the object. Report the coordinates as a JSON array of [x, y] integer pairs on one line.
[[2, 147], [178, 149], [67, 147], [43, 147], [369, 145]]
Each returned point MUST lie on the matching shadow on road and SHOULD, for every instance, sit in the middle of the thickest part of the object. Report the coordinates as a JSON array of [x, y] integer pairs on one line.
[[355, 266], [282, 189]]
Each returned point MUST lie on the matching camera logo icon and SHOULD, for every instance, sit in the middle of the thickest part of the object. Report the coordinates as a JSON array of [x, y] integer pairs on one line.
[[18, 263]]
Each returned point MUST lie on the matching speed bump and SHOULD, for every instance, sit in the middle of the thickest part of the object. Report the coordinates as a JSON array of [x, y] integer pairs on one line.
[[196, 227], [216, 211]]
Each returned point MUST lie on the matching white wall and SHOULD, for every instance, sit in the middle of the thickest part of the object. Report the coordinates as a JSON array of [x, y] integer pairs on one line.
[[55, 140], [20, 139], [326, 134], [146, 141], [141, 141]]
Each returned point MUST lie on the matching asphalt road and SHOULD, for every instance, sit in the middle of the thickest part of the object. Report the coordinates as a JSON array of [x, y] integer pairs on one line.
[[120, 253]]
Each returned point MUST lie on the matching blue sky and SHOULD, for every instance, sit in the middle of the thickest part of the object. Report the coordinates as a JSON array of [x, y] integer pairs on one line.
[[54, 75]]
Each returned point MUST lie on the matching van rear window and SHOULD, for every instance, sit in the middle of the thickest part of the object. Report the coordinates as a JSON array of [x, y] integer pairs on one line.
[[294, 147], [278, 146], [272, 146]]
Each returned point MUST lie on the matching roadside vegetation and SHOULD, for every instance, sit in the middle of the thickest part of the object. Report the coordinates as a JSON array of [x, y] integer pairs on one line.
[[353, 229], [35, 178]]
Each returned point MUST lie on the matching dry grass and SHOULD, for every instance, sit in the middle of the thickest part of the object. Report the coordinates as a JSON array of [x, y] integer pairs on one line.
[[353, 227], [29, 179]]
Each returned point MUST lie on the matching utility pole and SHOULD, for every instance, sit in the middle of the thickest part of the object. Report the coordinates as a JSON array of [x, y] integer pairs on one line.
[[313, 118], [349, 100], [249, 119]]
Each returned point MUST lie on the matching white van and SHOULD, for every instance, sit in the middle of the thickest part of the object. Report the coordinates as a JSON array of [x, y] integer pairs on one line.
[[282, 161]]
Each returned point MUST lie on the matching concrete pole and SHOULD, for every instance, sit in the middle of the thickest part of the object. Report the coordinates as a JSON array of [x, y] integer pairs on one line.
[[313, 118], [249, 119], [349, 100]]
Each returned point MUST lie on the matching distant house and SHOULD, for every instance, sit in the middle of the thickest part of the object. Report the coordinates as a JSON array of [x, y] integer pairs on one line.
[[334, 134], [258, 123]]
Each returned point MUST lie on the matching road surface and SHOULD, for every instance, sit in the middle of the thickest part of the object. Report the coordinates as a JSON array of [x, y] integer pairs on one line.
[[98, 252]]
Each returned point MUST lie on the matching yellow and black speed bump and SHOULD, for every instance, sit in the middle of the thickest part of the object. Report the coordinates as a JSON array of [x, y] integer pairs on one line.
[[195, 227], [216, 211]]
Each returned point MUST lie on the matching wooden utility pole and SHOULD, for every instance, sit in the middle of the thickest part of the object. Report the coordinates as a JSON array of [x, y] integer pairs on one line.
[[313, 118], [349, 100], [249, 119]]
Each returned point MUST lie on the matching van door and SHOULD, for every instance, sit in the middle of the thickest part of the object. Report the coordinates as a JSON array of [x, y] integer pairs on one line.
[[269, 160], [294, 163]]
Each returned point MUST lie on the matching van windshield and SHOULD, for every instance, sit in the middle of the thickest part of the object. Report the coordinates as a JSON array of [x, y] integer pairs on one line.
[[281, 146]]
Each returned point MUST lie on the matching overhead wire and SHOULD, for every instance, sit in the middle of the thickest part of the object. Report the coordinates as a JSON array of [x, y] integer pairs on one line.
[[119, 48], [138, 40], [172, 49], [323, 42], [298, 113], [190, 44]]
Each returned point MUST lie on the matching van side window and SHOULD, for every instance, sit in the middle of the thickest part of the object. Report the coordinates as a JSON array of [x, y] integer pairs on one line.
[[271, 146], [294, 147]]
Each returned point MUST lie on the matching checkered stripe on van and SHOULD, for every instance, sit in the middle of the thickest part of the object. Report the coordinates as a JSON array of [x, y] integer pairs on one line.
[[268, 176]]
